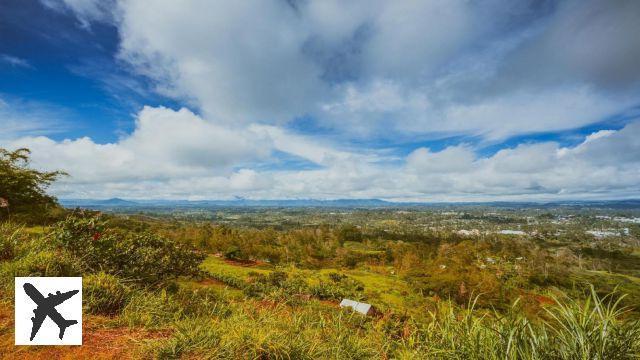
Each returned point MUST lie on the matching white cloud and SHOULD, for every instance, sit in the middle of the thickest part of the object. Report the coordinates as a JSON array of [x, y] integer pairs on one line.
[[383, 69], [601, 164], [384, 106], [405, 70], [240, 61], [451, 159], [308, 148], [538, 171], [599, 167], [585, 41], [166, 144], [177, 154]]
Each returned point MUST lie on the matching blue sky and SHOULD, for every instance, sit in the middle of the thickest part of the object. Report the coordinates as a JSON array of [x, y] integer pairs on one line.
[[405, 100]]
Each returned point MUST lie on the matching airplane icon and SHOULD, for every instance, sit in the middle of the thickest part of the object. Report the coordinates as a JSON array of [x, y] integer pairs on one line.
[[47, 307]]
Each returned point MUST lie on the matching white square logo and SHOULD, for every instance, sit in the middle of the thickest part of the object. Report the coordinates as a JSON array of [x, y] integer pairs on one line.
[[48, 310]]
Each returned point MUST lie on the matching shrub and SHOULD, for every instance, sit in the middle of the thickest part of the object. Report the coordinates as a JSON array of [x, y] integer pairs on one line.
[[103, 294], [338, 287], [277, 286], [233, 253], [142, 257]]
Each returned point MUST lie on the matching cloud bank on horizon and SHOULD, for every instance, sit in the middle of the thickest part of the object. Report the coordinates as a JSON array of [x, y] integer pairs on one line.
[[404, 100]]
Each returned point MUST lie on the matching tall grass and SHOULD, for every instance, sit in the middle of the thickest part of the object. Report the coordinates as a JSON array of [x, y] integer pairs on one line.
[[276, 332], [593, 329]]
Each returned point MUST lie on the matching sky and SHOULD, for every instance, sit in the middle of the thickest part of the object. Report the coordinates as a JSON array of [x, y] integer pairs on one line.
[[433, 100]]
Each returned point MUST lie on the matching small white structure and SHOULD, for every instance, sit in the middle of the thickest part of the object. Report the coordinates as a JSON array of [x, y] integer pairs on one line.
[[512, 232], [362, 308], [634, 220], [600, 234], [472, 232]]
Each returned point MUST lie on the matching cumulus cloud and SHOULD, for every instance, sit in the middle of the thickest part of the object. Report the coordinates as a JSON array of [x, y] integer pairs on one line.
[[536, 171], [177, 154], [451, 159], [165, 144], [383, 69], [239, 61], [605, 162], [364, 70]]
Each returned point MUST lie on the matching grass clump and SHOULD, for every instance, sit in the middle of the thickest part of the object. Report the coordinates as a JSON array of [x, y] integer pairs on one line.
[[593, 329], [10, 237], [103, 294]]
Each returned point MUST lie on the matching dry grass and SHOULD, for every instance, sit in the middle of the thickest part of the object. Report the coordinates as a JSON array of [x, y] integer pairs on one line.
[[99, 341]]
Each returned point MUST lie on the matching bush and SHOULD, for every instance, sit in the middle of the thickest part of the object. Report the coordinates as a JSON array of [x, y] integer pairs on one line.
[[277, 286], [103, 294], [142, 257], [233, 253], [338, 287]]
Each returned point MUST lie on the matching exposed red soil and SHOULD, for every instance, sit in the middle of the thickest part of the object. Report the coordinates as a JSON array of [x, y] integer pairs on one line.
[[244, 263], [97, 343], [331, 303], [544, 300], [118, 343], [210, 281]]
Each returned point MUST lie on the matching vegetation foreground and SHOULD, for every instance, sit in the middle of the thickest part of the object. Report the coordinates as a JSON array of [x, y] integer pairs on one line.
[[159, 300]]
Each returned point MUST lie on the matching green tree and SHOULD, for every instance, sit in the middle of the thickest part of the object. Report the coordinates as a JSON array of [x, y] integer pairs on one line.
[[23, 187]]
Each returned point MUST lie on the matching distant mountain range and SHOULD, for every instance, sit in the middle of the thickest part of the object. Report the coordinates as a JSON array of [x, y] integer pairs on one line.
[[339, 203]]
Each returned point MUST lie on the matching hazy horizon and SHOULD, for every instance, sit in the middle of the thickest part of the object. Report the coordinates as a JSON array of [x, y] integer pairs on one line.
[[142, 201]]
